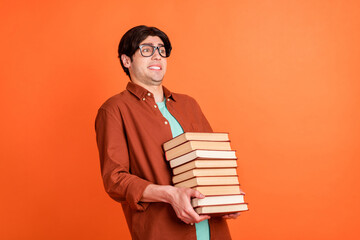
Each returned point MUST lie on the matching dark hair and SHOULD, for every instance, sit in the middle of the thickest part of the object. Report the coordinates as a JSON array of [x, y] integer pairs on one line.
[[131, 40]]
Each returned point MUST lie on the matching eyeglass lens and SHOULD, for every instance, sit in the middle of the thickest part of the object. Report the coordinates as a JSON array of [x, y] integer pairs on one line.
[[148, 50]]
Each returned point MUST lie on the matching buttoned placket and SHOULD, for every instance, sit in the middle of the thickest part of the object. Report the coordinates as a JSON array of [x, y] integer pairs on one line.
[[151, 101]]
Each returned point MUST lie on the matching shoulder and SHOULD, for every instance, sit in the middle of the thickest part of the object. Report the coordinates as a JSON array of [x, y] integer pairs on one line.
[[115, 102]]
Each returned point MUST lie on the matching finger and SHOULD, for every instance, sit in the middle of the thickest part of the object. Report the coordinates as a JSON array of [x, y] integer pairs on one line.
[[187, 214], [237, 214], [200, 219], [193, 217], [190, 216], [232, 215], [204, 217], [196, 194]]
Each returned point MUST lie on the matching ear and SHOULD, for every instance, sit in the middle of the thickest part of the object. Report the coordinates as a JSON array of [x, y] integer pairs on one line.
[[125, 60]]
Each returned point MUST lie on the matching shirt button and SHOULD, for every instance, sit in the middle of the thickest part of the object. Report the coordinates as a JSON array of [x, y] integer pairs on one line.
[[166, 122], [143, 99], [168, 99], [155, 106], [149, 94]]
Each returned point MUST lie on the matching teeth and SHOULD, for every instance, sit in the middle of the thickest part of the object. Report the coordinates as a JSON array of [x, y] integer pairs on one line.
[[155, 68]]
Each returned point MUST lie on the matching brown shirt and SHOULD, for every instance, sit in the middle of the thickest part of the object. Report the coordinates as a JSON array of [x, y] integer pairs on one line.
[[130, 131]]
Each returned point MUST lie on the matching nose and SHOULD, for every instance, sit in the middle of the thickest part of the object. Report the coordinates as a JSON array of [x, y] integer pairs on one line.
[[156, 54]]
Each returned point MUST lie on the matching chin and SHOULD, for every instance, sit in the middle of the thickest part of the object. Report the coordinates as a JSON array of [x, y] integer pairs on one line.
[[157, 79], [156, 82]]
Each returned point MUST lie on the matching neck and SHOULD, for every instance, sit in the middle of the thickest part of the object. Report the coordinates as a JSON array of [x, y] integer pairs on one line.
[[156, 90]]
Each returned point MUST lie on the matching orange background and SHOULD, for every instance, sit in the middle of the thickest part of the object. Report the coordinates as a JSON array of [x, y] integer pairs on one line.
[[281, 76]]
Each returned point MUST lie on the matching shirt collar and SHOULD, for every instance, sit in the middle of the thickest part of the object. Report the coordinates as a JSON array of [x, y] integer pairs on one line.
[[141, 92]]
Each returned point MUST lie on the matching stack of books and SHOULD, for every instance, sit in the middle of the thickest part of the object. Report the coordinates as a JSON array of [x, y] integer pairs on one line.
[[206, 162]]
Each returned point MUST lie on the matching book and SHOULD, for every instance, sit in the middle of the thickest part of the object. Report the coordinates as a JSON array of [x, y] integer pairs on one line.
[[218, 190], [223, 209], [206, 181], [199, 136], [195, 145], [218, 163], [204, 172], [217, 200], [202, 154], [205, 162]]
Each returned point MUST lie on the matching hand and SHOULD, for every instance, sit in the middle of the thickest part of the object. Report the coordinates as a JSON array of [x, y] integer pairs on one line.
[[180, 200], [231, 215]]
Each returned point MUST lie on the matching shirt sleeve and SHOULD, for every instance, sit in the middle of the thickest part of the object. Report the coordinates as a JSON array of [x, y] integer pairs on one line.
[[204, 122], [201, 124], [119, 183]]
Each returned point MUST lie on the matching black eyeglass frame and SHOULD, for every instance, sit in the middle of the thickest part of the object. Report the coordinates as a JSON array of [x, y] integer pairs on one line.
[[154, 49]]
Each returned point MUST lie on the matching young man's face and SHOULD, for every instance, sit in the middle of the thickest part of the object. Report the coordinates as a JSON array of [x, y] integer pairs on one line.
[[149, 71]]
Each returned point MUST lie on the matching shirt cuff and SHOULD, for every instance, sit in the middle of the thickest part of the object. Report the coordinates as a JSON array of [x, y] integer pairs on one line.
[[137, 188]]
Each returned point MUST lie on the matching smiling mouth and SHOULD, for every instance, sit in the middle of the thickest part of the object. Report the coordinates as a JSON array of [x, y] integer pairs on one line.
[[154, 68]]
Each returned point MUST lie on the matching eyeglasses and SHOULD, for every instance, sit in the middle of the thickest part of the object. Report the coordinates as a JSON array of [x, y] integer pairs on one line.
[[149, 50]]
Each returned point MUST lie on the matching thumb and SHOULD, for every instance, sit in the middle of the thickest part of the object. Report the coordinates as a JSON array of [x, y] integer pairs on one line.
[[196, 194]]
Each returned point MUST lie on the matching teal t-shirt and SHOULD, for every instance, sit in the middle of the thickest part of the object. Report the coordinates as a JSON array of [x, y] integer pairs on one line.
[[202, 228]]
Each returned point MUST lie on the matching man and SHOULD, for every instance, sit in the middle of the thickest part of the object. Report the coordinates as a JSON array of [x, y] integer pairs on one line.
[[131, 128]]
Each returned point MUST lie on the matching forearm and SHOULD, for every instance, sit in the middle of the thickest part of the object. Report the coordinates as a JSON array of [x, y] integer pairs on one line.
[[157, 193], [178, 198]]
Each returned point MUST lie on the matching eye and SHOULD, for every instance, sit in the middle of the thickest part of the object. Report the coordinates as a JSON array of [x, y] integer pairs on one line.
[[162, 50], [147, 49]]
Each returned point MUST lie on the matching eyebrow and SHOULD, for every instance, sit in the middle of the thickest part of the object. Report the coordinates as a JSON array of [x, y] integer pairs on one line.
[[160, 44]]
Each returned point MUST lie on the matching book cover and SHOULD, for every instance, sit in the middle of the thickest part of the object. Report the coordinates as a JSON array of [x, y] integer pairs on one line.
[[199, 136], [218, 190], [217, 200], [195, 145], [208, 181], [204, 163], [223, 209], [204, 173], [202, 154]]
